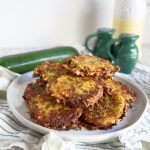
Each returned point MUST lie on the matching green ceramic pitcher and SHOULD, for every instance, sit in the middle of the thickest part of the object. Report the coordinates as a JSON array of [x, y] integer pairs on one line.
[[103, 42], [126, 52]]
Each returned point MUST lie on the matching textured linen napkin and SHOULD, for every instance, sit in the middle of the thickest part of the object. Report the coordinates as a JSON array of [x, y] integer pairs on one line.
[[15, 136]]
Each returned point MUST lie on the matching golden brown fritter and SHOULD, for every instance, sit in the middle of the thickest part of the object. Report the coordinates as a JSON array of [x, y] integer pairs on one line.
[[76, 91], [116, 86], [85, 65], [44, 110], [49, 71], [107, 112], [33, 89]]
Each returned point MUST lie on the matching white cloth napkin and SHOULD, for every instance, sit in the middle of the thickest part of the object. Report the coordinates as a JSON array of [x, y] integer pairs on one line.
[[15, 136]]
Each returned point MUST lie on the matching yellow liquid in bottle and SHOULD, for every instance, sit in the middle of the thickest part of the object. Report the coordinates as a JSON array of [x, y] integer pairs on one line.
[[129, 26]]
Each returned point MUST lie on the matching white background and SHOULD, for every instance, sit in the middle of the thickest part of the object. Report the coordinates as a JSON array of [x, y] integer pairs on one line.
[[42, 23]]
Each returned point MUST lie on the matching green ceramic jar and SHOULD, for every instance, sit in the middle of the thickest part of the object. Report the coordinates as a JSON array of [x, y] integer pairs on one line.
[[102, 44], [126, 52]]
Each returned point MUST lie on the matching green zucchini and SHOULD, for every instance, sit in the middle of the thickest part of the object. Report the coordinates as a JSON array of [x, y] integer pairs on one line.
[[25, 62]]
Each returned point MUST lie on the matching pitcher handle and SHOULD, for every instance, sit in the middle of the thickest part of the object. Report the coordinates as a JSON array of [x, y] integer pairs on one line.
[[112, 58], [87, 39]]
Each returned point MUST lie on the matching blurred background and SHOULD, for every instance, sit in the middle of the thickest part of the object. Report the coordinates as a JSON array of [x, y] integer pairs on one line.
[[42, 23]]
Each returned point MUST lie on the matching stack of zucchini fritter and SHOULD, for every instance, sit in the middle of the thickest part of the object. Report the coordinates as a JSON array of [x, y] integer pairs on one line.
[[79, 92]]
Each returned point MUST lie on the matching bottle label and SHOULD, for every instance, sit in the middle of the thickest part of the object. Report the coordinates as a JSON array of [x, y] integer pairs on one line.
[[129, 26]]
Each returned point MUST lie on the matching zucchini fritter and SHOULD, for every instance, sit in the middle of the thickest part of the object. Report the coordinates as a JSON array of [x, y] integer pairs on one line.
[[121, 89], [76, 91], [85, 65], [33, 89], [107, 112], [49, 71], [44, 110]]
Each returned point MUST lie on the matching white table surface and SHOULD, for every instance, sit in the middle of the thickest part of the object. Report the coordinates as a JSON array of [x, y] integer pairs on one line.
[[145, 60]]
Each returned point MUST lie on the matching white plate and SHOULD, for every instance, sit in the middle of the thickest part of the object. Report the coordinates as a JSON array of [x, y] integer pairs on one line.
[[19, 109]]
